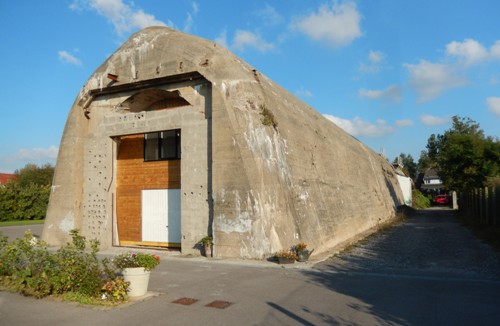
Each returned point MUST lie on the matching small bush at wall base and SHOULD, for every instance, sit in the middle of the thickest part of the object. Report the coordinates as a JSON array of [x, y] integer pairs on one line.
[[419, 200], [77, 268], [27, 267]]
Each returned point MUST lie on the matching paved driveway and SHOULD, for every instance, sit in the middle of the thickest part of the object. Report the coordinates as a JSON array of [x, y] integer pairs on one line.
[[14, 232], [428, 270], [425, 271], [430, 243]]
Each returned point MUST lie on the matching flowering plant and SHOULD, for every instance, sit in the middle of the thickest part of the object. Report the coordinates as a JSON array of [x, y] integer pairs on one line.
[[128, 260], [115, 290], [299, 247], [286, 254]]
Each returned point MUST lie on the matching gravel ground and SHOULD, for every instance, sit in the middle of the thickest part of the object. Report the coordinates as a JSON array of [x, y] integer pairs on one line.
[[428, 243]]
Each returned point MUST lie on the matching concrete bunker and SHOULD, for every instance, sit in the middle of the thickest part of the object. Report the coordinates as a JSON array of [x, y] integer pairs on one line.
[[166, 143]]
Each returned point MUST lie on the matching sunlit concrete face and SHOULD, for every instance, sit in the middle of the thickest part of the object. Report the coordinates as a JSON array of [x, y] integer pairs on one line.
[[256, 186]]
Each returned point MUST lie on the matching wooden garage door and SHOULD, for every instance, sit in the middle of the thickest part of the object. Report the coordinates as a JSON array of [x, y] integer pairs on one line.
[[133, 176]]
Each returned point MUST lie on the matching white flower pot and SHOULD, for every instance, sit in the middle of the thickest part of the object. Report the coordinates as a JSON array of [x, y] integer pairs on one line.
[[139, 280]]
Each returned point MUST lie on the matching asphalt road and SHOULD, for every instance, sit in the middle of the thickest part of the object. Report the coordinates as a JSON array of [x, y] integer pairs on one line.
[[14, 232], [427, 270]]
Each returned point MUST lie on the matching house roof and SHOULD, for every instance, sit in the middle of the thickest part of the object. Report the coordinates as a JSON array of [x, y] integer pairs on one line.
[[431, 174], [6, 177]]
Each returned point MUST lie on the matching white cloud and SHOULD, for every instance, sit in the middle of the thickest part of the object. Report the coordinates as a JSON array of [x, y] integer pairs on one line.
[[431, 79], [430, 120], [304, 92], [338, 26], [375, 56], [244, 39], [369, 68], [124, 17], [222, 39], [471, 52], [189, 22], [269, 15], [195, 7], [31, 155], [69, 58], [375, 59], [404, 123], [49, 153], [359, 127], [493, 104], [140, 20], [495, 50], [392, 93]]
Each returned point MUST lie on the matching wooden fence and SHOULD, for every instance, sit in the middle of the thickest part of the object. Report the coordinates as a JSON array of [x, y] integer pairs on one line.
[[482, 204]]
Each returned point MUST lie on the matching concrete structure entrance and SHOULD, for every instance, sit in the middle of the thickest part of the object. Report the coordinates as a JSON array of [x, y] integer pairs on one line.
[[174, 138]]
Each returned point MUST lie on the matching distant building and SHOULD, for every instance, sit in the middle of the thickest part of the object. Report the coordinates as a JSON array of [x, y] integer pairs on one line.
[[431, 182], [405, 183], [6, 177]]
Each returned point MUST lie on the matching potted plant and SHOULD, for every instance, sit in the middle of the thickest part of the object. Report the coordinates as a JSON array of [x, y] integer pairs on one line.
[[286, 257], [302, 252], [207, 244], [136, 268]]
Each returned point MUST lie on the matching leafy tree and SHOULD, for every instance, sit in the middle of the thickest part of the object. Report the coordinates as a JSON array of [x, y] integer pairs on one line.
[[464, 157], [23, 203], [432, 149], [31, 173], [409, 165], [424, 162], [27, 197]]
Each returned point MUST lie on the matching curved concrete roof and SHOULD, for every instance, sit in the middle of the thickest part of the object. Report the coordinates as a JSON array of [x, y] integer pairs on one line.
[[300, 178]]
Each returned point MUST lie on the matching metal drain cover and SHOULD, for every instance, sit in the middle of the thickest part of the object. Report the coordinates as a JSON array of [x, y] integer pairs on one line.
[[186, 301], [219, 304]]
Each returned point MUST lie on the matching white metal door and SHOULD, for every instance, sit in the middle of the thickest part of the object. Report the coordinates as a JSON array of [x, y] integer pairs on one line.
[[161, 215]]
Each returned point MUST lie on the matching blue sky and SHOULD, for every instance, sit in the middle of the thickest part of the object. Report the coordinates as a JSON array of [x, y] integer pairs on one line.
[[389, 72]]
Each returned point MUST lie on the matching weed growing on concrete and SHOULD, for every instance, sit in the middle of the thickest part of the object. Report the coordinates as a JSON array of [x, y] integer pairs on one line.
[[268, 118]]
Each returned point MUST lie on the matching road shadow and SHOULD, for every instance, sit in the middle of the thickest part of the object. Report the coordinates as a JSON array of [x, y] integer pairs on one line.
[[428, 270]]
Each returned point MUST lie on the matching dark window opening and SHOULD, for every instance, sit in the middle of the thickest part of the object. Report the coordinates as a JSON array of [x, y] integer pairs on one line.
[[162, 145], [152, 100]]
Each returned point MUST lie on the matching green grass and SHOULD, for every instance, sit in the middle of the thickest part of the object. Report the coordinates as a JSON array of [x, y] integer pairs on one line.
[[27, 222]]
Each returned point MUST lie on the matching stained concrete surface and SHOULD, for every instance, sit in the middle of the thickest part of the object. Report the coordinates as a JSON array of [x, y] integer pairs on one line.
[[426, 271], [255, 187]]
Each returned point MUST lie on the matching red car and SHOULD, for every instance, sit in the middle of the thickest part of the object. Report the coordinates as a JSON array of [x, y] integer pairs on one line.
[[441, 200]]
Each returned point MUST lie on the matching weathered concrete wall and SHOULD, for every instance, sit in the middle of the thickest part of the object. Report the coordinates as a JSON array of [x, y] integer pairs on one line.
[[95, 195], [258, 188]]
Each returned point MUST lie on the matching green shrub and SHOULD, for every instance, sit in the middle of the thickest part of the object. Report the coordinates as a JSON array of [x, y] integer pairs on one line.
[[419, 200], [26, 266], [77, 268], [23, 202]]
